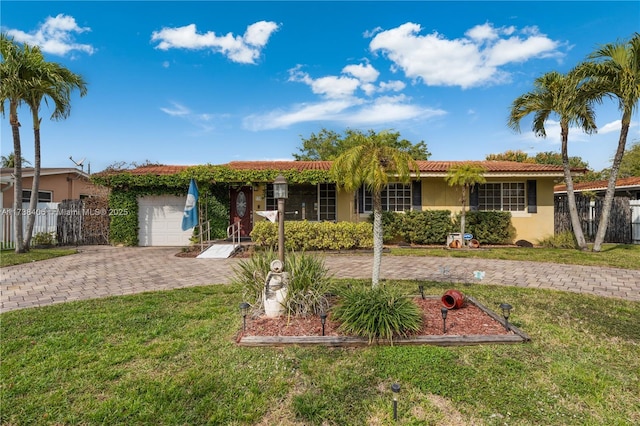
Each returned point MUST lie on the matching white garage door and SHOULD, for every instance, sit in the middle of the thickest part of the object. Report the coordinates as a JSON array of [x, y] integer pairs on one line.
[[160, 221]]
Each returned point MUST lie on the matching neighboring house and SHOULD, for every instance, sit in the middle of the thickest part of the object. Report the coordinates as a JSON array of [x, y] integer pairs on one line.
[[524, 189], [626, 187], [56, 185]]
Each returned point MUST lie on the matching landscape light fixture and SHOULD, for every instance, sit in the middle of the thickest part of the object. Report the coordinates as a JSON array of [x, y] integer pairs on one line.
[[281, 193], [421, 288], [444, 311], [395, 388], [244, 310], [323, 320], [506, 311]]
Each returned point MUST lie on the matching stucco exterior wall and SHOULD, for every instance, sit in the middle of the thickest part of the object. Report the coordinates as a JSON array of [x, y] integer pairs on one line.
[[63, 187], [438, 195]]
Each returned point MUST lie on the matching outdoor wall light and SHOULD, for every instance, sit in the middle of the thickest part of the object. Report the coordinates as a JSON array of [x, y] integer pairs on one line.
[[421, 289], [323, 320], [244, 310], [444, 311], [506, 311], [395, 388]]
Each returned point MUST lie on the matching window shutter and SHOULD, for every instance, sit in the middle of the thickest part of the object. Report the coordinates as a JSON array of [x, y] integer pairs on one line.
[[416, 195], [474, 197], [532, 196]]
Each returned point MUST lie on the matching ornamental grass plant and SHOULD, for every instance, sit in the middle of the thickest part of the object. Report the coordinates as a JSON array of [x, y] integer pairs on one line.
[[376, 313], [309, 281]]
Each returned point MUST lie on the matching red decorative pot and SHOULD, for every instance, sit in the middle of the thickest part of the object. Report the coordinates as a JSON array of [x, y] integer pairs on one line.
[[453, 299]]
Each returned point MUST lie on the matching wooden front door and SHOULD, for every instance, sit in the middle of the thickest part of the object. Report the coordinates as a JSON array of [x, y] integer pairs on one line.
[[242, 209]]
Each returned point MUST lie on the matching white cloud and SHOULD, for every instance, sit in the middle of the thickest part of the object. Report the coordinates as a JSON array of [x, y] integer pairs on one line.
[[178, 110], [469, 61], [200, 120], [363, 72], [614, 126], [243, 49], [352, 112], [55, 36]]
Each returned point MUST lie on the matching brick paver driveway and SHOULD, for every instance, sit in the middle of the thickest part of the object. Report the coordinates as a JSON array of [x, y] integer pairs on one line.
[[100, 271]]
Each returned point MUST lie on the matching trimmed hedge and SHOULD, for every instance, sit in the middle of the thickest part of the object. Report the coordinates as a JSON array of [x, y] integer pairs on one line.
[[425, 227], [488, 227], [305, 235], [433, 226]]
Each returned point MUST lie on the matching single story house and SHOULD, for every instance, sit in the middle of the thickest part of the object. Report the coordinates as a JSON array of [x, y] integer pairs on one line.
[[625, 187], [56, 184], [524, 189]]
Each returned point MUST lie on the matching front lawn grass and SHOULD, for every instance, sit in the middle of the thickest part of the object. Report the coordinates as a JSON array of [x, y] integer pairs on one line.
[[10, 257], [626, 256], [170, 358]]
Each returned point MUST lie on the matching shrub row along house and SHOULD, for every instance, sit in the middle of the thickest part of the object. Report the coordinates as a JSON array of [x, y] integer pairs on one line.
[[147, 202]]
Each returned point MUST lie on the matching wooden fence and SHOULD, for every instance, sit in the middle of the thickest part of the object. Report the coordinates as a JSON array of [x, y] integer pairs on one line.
[[83, 222], [74, 222], [619, 229]]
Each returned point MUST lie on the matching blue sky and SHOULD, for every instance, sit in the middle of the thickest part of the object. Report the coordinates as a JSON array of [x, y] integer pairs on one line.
[[212, 82]]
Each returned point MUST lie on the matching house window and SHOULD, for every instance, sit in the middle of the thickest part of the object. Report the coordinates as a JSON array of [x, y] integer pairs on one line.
[[327, 201], [396, 197], [507, 196], [43, 196], [306, 202]]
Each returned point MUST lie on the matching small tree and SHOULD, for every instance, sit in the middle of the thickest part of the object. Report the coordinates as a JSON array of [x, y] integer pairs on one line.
[[371, 162], [466, 176]]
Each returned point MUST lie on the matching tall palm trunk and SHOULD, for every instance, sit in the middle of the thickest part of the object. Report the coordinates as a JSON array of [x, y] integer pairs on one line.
[[463, 214], [377, 238], [17, 175], [571, 198], [611, 187], [35, 185]]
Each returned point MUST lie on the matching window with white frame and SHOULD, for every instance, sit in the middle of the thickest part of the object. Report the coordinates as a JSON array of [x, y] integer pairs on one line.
[[396, 197], [43, 196], [505, 196]]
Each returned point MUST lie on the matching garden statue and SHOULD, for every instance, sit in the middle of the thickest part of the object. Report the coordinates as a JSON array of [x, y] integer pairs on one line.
[[275, 290]]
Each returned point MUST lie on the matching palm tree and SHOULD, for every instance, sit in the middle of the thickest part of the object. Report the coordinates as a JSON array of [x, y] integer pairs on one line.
[[49, 81], [615, 69], [371, 163], [12, 71], [568, 97], [9, 161], [465, 176]]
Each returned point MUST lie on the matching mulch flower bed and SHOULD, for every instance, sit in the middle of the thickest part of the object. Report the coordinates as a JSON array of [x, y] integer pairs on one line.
[[467, 320]]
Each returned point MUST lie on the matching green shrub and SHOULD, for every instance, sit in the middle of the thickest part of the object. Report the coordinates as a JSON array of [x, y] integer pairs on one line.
[[391, 222], [426, 227], [308, 285], [489, 227], [305, 235], [44, 239], [565, 240], [376, 313]]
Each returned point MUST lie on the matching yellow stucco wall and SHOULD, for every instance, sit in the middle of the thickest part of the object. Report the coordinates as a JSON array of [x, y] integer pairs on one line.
[[438, 195]]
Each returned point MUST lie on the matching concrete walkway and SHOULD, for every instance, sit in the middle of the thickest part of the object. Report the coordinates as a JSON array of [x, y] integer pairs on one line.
[[100, 271]]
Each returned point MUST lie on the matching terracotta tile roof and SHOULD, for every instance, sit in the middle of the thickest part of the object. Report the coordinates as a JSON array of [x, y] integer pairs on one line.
[[157, 170], [436, 167], [279, 165], [600, 185], [490, 166]]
